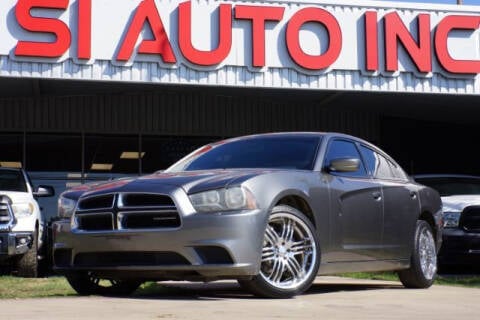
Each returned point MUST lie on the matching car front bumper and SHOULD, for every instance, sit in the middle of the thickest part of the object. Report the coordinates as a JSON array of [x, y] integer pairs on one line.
[[460, 247], [205, 246], [14, 243]]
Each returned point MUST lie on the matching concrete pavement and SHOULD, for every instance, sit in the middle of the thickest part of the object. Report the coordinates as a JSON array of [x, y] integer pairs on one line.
[[329, 298]]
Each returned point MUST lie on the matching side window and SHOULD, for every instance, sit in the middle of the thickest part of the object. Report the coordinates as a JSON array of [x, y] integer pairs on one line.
[[398, 173], [377, 164], [345, 149]]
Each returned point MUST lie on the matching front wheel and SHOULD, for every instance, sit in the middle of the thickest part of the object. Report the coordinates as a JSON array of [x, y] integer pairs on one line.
[[87, 283], [423, 263], [290, 256]]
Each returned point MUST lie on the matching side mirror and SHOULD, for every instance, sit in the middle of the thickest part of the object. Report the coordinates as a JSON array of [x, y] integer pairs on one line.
[[344, 165], [44, 191]]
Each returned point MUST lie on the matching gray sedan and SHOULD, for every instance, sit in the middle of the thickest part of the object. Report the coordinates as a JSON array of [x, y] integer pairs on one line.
[[271, 211]]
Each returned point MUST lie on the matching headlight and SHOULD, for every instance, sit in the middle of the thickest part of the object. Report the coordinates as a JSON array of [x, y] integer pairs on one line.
[[21, 210], [451, 219], [66, 207], [236, 198]]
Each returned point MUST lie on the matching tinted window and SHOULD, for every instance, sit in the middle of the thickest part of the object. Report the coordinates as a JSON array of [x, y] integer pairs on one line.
[[377, 164], [397, 171], [339, 149], [450, 186], [260, 152], [12, 180]]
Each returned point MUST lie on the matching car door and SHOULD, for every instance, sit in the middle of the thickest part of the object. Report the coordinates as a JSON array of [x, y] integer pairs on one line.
[[356, 208], [401, 204]]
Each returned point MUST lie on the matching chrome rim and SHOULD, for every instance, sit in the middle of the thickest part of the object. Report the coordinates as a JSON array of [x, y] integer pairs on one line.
[[289, 252], [428, 254]]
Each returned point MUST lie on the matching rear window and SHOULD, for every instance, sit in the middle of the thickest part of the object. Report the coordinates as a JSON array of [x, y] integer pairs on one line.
[[12, 180]]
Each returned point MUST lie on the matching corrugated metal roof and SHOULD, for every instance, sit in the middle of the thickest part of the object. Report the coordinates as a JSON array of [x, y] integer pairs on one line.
[[240, 77]]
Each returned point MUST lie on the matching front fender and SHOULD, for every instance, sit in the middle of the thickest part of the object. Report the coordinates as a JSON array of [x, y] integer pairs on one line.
[[270, 188]]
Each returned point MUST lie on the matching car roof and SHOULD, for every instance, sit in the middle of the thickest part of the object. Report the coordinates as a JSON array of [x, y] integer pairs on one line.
[[294, 133]]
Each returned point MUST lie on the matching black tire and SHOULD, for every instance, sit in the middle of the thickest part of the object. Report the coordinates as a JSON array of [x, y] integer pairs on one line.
[[261, 285], [86, 283], [416, 276], [27, 264]]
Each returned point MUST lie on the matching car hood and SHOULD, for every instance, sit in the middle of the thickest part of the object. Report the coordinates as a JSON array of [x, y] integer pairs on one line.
[[459, 202], [17, 197], [189, 181]]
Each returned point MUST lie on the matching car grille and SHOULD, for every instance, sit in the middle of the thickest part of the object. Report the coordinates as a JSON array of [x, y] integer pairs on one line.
[[127, 211], [99, 202], [147, 219], [470, 220], [4, 214], [6, 217]]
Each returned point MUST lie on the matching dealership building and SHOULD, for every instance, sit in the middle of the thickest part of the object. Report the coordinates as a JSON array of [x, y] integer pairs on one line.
[[106, 88]]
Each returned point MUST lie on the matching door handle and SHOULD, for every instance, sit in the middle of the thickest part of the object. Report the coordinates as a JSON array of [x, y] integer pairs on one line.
[[377, 196], [413, 194]]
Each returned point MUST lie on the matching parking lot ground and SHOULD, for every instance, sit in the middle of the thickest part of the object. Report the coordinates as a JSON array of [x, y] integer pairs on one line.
[[329, 298]]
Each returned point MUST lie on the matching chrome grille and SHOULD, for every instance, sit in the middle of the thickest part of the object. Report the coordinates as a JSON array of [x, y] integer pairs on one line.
[[127, 211], [470, 219], [4, 213], [7, 219]]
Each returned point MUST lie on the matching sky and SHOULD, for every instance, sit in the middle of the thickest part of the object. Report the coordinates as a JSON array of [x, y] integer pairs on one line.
[[465, 2]]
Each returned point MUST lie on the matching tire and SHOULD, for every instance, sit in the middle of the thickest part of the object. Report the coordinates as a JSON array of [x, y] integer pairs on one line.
[[87, 283], [27, 264], [423, 262], [290, 256]]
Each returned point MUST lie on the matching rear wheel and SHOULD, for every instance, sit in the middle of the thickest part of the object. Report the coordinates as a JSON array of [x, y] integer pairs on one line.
[[423, 263], [87, 283], [290, 256]]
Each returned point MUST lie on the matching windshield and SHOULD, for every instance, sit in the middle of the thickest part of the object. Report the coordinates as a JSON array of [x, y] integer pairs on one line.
[[12, 180], [450, 186], [286, 152]]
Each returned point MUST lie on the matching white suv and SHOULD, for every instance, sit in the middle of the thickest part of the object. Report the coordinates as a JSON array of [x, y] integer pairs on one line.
[[21, 223], [461, 218]]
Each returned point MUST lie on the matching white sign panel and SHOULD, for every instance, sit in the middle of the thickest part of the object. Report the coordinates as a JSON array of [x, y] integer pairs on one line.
[[312, 45]]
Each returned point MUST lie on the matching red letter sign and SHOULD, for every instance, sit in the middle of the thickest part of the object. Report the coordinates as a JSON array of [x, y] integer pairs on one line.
[[258, 15], [49, 25], [84, 29], [325, 18], [371, 41], [441, 36], [420, 53], [147, 11], [200, 57]]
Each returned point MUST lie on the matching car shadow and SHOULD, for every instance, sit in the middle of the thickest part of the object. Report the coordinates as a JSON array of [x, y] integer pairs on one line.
[[231, 290]]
